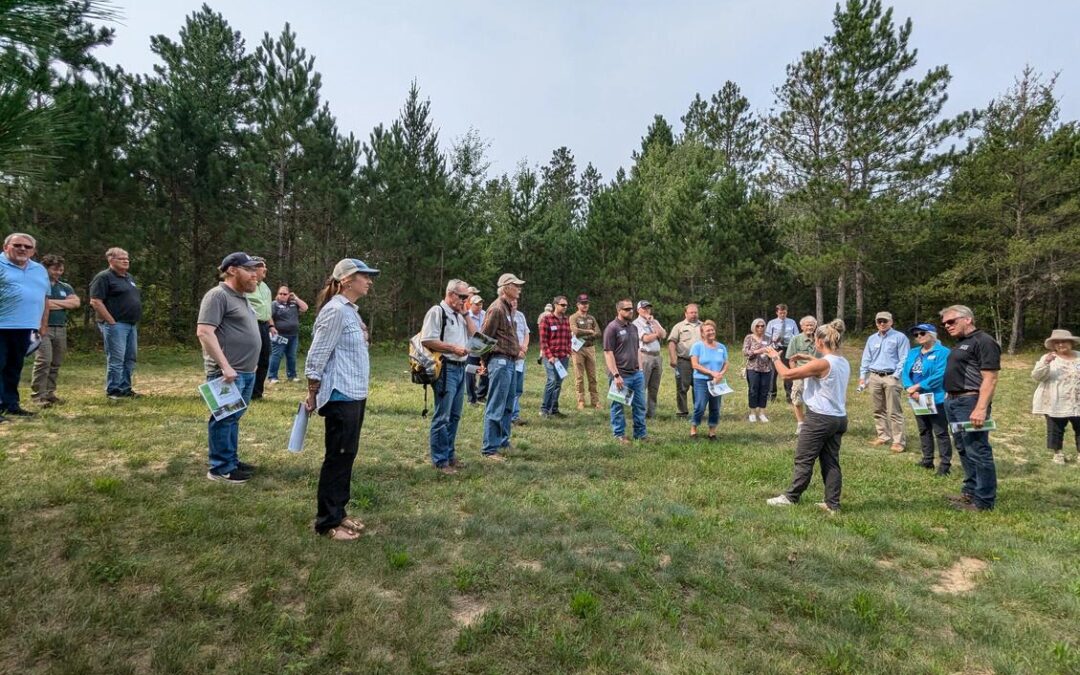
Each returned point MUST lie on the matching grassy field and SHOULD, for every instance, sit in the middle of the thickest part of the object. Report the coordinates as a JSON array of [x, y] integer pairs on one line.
[[578, 555]]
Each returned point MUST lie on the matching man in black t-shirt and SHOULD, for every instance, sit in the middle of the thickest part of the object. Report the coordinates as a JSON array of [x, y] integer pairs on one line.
[[970, 378], [117, 301], [623, 361]]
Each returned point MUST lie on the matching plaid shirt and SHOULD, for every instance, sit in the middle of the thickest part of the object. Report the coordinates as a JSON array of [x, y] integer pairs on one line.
[[555, 337]]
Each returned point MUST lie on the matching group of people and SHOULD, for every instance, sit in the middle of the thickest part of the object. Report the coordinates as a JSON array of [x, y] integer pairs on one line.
[[244, 334]]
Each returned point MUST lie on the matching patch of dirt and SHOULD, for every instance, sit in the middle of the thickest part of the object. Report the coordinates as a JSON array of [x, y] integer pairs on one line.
[[387, 594], [530, 565], [49, 513], [236, 595], [466, 611], [961, 577], [663, 561], [615, 566], [886, 564]]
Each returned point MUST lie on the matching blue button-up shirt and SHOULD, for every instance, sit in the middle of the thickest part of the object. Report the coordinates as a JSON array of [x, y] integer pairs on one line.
[[884, 353], [26, 289], [338, 356], [780, 331]]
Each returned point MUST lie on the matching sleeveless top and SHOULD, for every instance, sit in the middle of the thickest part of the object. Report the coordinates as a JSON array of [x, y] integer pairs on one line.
[[828, 395]]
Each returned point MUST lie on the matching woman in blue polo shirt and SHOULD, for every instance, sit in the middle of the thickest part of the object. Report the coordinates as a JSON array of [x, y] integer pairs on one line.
[[709, 359], [924, 373]]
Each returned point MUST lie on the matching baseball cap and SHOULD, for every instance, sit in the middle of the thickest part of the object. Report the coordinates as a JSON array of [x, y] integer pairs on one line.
[[473, 290], [350, 266], [883, 315], [239, 259], [643, 304], [259, 259], [928, 327], [508, 278], [476, 299], [583, 298]]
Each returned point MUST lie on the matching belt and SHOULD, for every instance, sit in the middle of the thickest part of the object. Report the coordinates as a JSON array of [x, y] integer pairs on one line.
[[883, 372], [958, 394], [684, 358], [645, 351], [447, 363]]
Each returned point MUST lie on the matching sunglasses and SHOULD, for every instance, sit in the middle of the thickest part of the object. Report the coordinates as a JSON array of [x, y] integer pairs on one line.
[[626, 309], [882, 321], [462, 297], [920, 333], [24, 247], [563, 304], [951, 321]]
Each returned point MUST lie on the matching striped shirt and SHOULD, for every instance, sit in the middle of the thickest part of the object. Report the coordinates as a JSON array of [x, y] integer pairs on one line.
[[338, 356]]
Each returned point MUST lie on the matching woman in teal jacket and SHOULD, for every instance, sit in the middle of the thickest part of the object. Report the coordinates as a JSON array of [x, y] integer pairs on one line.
[[924, 373]]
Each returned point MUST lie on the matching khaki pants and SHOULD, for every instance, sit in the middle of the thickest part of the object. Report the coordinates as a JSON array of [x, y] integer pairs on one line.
[[47, 363], [585, 365], [652, 368], [683, 383], [887, 399]]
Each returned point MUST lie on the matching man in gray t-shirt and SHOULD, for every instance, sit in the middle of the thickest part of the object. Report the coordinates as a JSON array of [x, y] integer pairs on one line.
[[229, 333]]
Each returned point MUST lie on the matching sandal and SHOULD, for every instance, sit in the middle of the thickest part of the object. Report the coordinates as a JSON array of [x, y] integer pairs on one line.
[[341, 534], [353, 524]]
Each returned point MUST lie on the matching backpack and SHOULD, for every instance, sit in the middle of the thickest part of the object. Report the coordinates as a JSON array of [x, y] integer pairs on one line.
[[425, 366]]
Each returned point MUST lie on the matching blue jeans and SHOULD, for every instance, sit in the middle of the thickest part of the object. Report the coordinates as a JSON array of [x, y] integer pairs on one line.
[[449, 396], [500, 404], [289, 351], [121, 349], [225, 433], [636, 384], [519, 389], [976, 455], [553, 388], [701, 399]]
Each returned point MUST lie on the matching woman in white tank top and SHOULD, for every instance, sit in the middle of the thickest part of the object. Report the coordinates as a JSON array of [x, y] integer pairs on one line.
[[825, 396]]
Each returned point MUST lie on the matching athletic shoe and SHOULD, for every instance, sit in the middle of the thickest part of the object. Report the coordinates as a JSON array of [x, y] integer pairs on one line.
[[828, 509], [245, 467], [752, 418], [20, 412], [271, 381], [1059, 458], [762, 418], [235, 477], [782, 500]]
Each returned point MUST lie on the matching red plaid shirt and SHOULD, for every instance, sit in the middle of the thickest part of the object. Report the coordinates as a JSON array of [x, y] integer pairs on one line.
[[555, 337]]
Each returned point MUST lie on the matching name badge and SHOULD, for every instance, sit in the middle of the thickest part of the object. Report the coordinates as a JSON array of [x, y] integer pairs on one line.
[[554, 328], [622, 331]]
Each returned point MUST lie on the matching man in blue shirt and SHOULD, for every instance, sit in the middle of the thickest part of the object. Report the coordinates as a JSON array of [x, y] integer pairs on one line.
[[882, 363], [22, 311]]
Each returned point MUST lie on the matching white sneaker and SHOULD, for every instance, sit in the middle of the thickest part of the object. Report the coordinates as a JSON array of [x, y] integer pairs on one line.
[[762, 417], [782, 500], [1059, 458], [752, 418]]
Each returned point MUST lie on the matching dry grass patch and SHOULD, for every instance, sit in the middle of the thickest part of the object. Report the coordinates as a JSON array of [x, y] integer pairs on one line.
[[961, 577], [466, 611]]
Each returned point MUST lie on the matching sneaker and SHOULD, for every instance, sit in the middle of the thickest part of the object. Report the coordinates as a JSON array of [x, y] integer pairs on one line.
[[926, 465], [54, 399], [782, 500], [272, 381], [752, 418], [246, 468], [558, 414], [762, 418], [20, 412], [828, 509], [235, 477], [130, 394], [42, 402], [942, 471], [1059, 458]]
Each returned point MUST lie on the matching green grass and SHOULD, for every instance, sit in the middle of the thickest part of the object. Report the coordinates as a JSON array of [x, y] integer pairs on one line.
[[576, 556]]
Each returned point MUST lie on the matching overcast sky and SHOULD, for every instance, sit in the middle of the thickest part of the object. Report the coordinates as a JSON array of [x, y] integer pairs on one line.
[[590, 74]]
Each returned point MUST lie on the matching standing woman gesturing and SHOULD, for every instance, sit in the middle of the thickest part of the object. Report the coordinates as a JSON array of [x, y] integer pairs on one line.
[[825, 397], [337, 371]]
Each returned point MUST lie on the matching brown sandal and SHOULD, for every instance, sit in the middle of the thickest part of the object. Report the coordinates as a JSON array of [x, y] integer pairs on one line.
[[341, 534], [353, 524]]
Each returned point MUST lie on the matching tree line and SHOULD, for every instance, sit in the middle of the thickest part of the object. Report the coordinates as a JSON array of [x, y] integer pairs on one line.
[[851, 192]]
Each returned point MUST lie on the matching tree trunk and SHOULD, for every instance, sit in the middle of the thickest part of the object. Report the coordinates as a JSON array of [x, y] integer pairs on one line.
[[819, 302], [1016, 336], [859, 292], [841, 288]]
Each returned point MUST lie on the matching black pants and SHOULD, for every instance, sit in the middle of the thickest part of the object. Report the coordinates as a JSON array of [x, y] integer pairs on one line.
[[1055, 432], [929, 427], [819, 440], [776, 376], [344, 420], [13, 344], [758, 394], [264, 360]]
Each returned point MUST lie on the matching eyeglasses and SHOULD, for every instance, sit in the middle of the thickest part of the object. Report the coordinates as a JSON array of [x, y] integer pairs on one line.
[[23, 247], [626, 309], [882, 321]]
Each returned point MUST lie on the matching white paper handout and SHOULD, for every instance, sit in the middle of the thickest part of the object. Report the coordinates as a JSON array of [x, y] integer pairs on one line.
[[988, 425], [519, 365], [223, 398], [299, 429], [624, 396], [719, 388], [924, 406], [560, 369], [576, 343], [480, 344]]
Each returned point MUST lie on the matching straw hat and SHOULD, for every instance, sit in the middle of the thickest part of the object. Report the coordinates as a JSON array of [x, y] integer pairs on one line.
[[1060, 334]]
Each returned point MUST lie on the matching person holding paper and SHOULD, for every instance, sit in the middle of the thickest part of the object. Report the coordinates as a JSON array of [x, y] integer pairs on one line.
[[800, 350], [554, 332], [622, 358], [338, 372], [759, 371], [825, 396], [521, 324], [446, 330], [971, 376], [924, 374], [228, 331], [651, 335], [499, 325], [709, 359], [1058, 394], [584, 327], [285, 312]]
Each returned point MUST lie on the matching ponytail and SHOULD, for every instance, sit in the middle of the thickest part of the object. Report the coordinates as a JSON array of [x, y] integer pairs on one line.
[[332, 288]]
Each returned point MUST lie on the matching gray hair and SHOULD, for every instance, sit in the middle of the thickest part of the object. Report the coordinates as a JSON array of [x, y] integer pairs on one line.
[[11, 237], [962, 311], [114, 252], [757, 322], [809, 317], [451, 286]]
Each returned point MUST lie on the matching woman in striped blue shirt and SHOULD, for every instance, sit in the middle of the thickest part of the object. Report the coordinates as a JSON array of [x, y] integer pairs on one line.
[[337, 371]]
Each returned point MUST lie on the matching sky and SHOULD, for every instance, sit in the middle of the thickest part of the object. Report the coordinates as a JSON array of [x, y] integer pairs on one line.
[[531, 76]]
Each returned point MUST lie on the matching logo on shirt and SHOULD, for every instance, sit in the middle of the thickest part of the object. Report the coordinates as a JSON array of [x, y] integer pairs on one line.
[[964, 348]]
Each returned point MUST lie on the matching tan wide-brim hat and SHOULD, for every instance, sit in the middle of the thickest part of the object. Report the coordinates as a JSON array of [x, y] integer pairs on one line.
[[1060, 334]]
